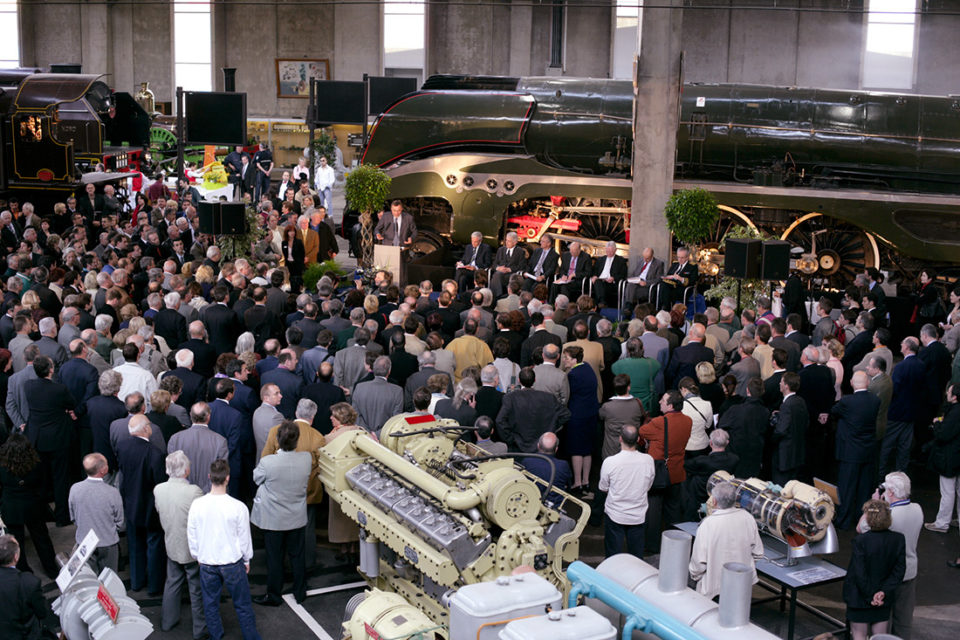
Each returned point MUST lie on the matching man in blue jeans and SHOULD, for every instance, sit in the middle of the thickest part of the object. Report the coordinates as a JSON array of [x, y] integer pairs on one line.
[[626, 477], [218, 534]]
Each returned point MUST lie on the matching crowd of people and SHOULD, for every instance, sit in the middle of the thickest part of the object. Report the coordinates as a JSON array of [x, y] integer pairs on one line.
[[153, 387]]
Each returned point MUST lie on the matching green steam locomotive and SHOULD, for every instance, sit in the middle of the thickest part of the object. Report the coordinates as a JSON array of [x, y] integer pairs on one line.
[[855, 178]]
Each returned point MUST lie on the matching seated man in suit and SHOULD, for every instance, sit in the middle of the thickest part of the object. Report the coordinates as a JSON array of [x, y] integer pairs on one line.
[[608, 272], [542, 265], [642, 280], [681, 275], [475, 256], [398, 229], [510, 259], [574, 267]]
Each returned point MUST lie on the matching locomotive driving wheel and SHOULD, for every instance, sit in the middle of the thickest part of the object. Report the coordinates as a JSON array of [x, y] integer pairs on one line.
[[601, 219], [842, 249]]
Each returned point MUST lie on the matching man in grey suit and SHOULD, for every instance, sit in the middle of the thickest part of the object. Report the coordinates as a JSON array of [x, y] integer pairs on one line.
[[427, 360], [136, 405], [397, 229], [349, 365], [70, 317], [377, 401], [881, 385], [48, 342], [267, 416], [16, 401], [551, 378], [201, 445], [483, 317], [22, 325], [644, 276], [747, 368], [484, 425], [173, 499]]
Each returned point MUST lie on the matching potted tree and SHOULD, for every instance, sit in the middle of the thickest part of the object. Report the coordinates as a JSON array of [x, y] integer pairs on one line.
[[691, 215], [367, 188]]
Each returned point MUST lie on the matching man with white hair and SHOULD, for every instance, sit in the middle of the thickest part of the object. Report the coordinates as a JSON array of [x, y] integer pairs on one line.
[[608, 272], [69, 331], [142, 466], [97, 506], [510, 259], [475, 256], [193, 383], [575, 265], [48, 344], [103, 323], [728, 534], [89, 336], [645, 275], [906, 518], [856, 448], [685, 359], [169, 323], [700, 468], [151, 359], [173, 499], [135, 377]]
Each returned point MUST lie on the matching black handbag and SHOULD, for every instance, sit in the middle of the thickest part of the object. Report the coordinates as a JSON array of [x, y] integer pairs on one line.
[[661, 474]]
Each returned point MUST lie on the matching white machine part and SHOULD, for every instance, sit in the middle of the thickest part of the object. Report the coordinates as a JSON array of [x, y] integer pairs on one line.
[[83, 618], [478, 610], [579, 623]]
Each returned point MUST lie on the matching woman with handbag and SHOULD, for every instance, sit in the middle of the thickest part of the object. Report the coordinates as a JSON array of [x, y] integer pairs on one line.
[[929, 307], [666, 437]]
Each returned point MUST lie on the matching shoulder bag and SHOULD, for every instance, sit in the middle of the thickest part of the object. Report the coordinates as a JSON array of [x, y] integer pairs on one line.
[[661, 474]]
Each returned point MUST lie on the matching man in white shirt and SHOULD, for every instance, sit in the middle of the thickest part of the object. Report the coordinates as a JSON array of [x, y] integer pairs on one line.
[[135, 377], [728, 534], [626, 477], [218, 534], [323, 182]]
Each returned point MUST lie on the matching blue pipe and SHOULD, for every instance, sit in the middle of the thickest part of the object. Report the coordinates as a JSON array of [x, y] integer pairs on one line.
[[640, 614]]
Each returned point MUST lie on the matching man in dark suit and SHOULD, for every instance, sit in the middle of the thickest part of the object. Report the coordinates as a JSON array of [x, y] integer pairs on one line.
[[574, 267], [426, 360], [260, 321], [700, 468], [476, 255], [489, 398], [223, 325], [856, 448], [24, 611], [855, 350], [325, 394], [772, 397], [794, 324], [204, 353], [609, 271], [244, 399], [397, 229], [909, 377], [818, 391], [238, 432], [193, 383], [541, 337], [778, 327], [308, 325], [100, 411], [542, 264], [290, 382], [684, 361], [790, 432], [510, 259], [746, 424], [11, 233], [169, 323], [50, 429], [935, 355], [646, 275], [680, 275], [526, 414], [142, 466]]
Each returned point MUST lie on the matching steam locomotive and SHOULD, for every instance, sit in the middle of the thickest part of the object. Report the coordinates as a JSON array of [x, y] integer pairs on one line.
[[54, 127], [853, 177]]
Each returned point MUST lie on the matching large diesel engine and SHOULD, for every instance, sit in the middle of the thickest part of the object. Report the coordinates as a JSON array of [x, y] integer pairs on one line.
[[436, 513]]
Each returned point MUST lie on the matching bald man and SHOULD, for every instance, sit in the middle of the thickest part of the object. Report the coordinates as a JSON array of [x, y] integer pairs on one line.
[[856, 448], [545, 468], [97, 506]]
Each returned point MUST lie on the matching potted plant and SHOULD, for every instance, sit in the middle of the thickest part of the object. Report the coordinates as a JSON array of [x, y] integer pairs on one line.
[[691, 215], [319, 269], [367, 188]]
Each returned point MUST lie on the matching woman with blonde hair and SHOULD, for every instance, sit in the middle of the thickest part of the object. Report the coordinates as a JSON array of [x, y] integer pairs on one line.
[[834, 354], [159, 403], [207, 279], [710, 389]]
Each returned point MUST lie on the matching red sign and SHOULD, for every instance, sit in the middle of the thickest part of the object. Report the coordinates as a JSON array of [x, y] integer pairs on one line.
[[371, 633], [108, 603]]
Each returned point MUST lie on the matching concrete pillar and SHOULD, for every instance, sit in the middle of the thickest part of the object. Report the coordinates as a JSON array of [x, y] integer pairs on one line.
[[96, 43], [656, 113]]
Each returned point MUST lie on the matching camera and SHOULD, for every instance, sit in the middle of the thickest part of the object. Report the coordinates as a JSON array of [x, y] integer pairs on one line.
[[881, 490]]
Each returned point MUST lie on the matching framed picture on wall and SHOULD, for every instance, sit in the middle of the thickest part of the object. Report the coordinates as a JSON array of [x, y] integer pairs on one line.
[[294, 74]]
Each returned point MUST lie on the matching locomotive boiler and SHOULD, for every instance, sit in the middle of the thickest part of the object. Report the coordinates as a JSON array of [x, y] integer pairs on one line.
[[859, 172], [55, 126]]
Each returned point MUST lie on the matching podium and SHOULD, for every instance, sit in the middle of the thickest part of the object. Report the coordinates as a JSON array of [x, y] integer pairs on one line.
[[390, 258]]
